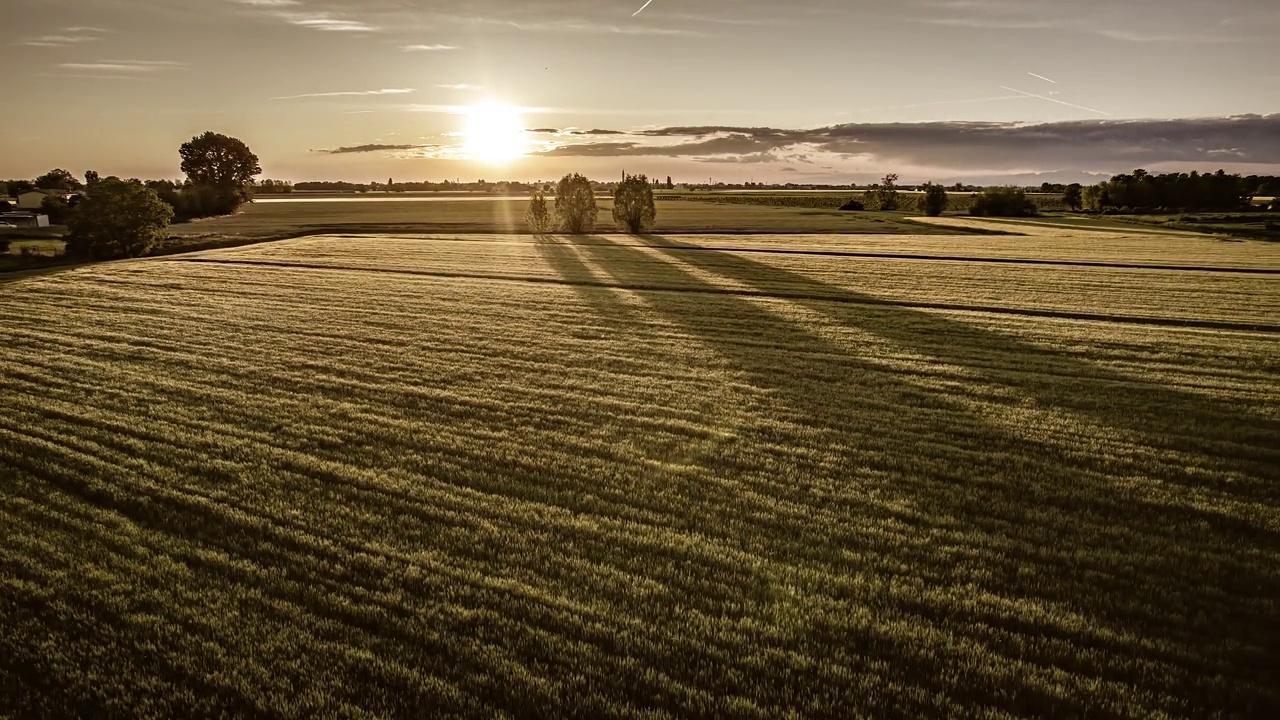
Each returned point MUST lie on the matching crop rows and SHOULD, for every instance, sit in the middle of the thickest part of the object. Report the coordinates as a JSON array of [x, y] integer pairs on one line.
[[956, 202], [306, 491]]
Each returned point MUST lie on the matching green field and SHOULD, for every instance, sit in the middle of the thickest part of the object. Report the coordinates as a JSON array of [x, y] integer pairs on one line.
[[678, 476]]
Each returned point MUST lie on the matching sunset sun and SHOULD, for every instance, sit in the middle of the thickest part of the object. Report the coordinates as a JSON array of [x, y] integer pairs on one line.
[[494, 133]]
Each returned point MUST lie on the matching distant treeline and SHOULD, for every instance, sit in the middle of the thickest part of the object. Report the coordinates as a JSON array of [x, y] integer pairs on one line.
[[1142, 192]]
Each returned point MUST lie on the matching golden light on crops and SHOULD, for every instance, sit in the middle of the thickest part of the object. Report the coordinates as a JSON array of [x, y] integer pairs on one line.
[[494, 133]]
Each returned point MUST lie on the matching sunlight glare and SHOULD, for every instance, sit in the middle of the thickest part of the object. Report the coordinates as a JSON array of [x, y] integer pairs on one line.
[[494, 133]]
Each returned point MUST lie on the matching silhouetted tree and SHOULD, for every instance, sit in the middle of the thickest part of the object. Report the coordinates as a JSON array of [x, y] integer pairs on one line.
[[91, 177], [58, 179], [670, 185], [117, 219], [18, 187], [538, 216], [57, 208], [576, 204], [1073, 196], [223, 167], [934, 200], [1003, 202], [633, 208], [884, 196]]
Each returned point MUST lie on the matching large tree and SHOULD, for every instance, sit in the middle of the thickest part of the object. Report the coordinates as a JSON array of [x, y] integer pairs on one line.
[[633, 208], [576, 204], [219, 161], [117, 219], [58, 179], [934, 200]]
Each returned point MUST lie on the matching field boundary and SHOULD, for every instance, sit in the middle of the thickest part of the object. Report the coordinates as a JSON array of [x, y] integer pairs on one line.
[[835, 298]]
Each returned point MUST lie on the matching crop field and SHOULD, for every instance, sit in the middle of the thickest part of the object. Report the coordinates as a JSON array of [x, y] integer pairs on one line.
[[507, 215], [709, 475]]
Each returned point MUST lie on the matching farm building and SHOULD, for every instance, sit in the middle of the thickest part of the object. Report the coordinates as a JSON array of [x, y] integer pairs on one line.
[[32, 200], [25, 219]]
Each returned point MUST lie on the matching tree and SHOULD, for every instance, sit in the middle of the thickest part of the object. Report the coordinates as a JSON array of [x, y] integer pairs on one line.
[[117, 219], [934, 200], [91, 178], [633, 208], [57, 208], [576, 204], [1073, 196], [670, 185], [222, 162], [18, 187], [538, 217], [5, 205], [885, 195], [58, 179], [1003, 202]]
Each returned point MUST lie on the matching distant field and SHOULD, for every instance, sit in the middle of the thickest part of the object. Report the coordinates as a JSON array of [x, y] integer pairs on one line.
[[646, 477], [506, 215]]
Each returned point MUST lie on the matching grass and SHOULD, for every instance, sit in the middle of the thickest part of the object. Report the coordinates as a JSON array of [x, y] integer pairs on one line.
[[1253, 226], [619, 477]]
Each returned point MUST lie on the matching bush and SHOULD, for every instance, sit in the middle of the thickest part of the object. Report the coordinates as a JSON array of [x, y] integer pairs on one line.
[[633, 209], [5, 206], [1003, 202], [934, 200], [201, 201], [884, 196], [538, 217], [117, 219], [58, 209], [576, 204], [854, 205], [4, 246]]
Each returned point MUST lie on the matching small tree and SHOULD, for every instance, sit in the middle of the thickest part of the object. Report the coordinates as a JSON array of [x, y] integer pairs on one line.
[[538, 216], [576, 204], [934, 200], [633, 208], [1073, 197], [1003, 202], [885, 195], [118, 219]]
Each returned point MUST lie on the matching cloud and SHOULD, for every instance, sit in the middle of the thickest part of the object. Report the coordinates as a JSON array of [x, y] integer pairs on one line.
[[124, 66], [67, 36], [1088, 144], [371, 148], [326, 21], [596, 132], [268, 3], [428, 48], [348, 93], [544, 131], [568, 26], [459, 86], [1144, 38]]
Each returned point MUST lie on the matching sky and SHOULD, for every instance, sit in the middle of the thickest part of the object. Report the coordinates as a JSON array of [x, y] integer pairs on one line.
[[726, 90]]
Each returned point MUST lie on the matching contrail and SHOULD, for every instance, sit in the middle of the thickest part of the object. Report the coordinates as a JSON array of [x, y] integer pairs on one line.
[[1052, 100], [1055, 82], [642, 9]]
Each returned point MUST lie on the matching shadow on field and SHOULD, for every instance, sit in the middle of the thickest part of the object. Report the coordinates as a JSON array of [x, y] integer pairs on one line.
[[1173, 596]]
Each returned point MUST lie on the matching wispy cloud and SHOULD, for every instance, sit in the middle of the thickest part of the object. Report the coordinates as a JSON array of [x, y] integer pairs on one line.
[[987, 23], [268, 3], [568, 26], [348, 93], [327, 22], [130, 67], [67, 36], [1144, 37], [459, 86], [428, 48], [371, 148]]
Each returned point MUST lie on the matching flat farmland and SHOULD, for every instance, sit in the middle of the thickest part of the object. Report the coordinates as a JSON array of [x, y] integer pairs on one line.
[[298, 216], [676, 476]]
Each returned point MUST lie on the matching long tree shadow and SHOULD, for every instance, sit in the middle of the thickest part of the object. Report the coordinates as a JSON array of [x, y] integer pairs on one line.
[[1051, 526]]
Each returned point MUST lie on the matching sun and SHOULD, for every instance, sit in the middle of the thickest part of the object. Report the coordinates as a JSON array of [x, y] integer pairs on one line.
[[494, 133]]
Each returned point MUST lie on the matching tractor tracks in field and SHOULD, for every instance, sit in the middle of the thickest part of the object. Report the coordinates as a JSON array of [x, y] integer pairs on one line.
[[833, 297]]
